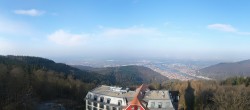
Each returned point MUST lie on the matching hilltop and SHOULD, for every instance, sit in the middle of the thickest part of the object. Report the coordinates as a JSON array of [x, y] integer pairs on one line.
[[225, 70], [127, 75]]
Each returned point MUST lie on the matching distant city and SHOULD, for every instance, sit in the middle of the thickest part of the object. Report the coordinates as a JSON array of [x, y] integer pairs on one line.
[[173, 69]]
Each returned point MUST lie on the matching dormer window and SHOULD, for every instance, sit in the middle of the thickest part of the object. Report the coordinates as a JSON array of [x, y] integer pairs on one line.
[[102, 99], [133, 108], [89, 96], [108, 100], [159, 105], [95, 98], [119, 103]]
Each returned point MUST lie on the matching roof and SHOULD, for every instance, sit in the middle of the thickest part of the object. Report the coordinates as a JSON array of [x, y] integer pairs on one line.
[[136, 101], [149, 95], [138, 96], [107, 91], [157, 95]]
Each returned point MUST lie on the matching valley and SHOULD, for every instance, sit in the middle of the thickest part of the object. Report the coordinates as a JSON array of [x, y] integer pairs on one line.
[[173, 69]]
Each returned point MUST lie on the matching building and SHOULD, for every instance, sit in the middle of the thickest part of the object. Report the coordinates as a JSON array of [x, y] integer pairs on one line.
[[118, 98]]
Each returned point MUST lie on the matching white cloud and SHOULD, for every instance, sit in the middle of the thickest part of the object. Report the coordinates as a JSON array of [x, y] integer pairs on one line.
[[31, 12], [131, 32], [227, 28], [66, 38], [13, 27], [222, 27], [62, 37]]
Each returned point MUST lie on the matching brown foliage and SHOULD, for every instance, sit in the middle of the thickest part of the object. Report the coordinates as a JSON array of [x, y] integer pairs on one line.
[[211, 95]]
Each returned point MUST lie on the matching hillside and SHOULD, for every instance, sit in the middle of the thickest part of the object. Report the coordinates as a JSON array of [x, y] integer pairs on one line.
[[25, 82], [36, 63], [225, 70], [127, 75]]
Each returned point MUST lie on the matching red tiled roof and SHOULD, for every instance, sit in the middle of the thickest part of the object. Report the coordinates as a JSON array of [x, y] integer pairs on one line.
[[137, 98]]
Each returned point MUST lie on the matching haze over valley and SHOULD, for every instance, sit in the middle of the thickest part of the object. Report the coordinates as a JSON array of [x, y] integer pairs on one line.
[[173, 69]]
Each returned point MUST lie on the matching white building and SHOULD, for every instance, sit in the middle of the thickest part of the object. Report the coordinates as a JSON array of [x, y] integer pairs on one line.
[[118, 98]]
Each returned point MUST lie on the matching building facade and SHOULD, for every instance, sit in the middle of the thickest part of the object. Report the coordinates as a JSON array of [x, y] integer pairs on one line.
[[118, 98]]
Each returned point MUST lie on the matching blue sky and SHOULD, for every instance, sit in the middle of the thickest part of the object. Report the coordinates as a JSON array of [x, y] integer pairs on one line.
[[190, 29]]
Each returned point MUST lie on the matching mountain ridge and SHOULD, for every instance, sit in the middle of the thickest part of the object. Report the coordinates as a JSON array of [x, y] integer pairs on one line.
[[133, 72], [225, 70], [109, 75]]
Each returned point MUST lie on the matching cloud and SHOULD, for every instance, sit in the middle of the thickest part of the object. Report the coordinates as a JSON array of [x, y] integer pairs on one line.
[[104, 38], [227, 28], [222, 27], [66, 38], [31, 12], [131, 32], [9, 26]]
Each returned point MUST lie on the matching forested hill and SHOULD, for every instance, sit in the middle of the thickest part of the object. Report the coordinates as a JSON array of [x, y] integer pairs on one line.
[[36, 63], [225, 70], [127, 75], [25, 82]]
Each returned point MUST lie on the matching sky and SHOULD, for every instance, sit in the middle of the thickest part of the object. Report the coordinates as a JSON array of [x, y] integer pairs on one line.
[[188, 29]]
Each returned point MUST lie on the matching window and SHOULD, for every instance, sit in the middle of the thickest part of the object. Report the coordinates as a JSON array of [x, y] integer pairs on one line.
[[107, 108], [101, 99], [138, 108], [159, 105], [89, 108], [95, 104], [119, 102], [95, 98], [101, 106], [89, 96], [135, 107], [89, 103], [114, 108], [108, 100], [152, 105]]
